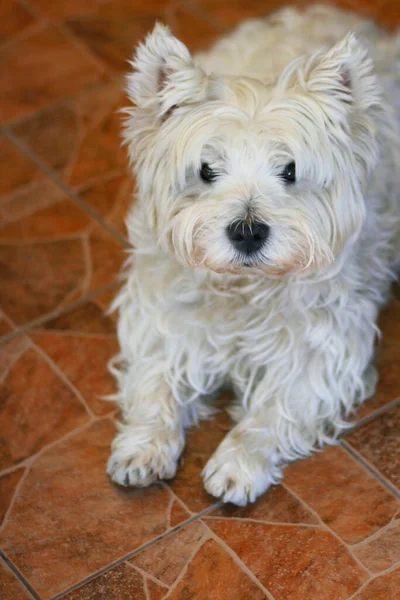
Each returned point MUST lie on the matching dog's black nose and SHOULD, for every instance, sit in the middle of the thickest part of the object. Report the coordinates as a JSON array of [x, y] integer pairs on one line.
[[248, 237]]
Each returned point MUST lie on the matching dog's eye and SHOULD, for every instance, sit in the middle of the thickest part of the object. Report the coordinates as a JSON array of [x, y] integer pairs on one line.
[[207, 174], [289, 173]]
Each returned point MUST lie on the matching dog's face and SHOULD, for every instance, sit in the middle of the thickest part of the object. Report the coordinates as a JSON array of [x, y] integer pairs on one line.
[[238, 176]]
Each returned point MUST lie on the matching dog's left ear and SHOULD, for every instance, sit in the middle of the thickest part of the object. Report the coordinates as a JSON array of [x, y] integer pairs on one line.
[[165, 75], [342, 79]]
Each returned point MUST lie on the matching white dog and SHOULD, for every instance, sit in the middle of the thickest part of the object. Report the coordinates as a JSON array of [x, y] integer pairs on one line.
[[265, 231]]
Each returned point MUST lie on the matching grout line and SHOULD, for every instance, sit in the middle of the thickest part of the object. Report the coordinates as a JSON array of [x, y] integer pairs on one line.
[[376, 534], [147, 575], [370, 468], [133, 553], [191, 556], [279, 523], [64, 378], [66, 189], [15, 494], [19, 575], [57, 312], [238, 561], [380, 411], [375, 576]]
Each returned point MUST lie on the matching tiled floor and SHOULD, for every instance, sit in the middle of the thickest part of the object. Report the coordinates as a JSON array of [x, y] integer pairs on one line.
[[330, 532]]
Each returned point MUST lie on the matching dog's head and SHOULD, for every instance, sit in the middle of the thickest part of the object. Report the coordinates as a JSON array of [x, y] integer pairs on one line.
[[237, 175]]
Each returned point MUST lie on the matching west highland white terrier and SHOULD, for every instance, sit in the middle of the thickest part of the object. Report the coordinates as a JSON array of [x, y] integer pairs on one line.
[[264, 235]]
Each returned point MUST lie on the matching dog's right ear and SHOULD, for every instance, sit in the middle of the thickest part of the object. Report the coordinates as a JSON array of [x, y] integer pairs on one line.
[[164, 74]]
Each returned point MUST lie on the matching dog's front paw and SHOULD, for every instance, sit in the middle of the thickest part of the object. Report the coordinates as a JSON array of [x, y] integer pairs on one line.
[[140, 464], [238, 478]]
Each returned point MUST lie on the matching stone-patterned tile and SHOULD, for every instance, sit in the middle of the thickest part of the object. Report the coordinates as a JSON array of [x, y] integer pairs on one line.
[[10, 587], [69, 520], [382, 551], [37, 277], [320, 481], [10, 351], [201, 443], [278, 505], [293, 561], [120, 583], [16, 170], [388, 14], [379, 442], [14, 18], [36, 408], [112, 200], [189, 26], [385, 587], [213, 569], [62, 10], [228, 13], [51, 251], [8, 485], [166, 559], [40, 69], [155, 591], [81, 342]]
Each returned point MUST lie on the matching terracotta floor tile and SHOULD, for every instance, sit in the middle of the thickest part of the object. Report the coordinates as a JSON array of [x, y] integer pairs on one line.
[[292, 561], [121, 583], [389, 14], [189, 26], [10, 586], [14, 18], [16, 170], [166, 559], [92, 523], [379, 442], [385, 587], [52, 135], [346, 497], [52, 251], [228, 13], [112, 200], [277, 505], [5, 329], [61, 10], [112, 39], [81, 343], [10, 351], [41, 69], [155, 591], [382, 551], [201, 443], [8, 484], [212, 575], [36, 408]]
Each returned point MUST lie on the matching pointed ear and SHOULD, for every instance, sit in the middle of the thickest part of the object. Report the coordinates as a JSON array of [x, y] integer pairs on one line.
[[164, 74], [343, 79]]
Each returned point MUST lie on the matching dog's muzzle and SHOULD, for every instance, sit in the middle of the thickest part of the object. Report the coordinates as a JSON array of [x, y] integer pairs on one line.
[[247, 238]]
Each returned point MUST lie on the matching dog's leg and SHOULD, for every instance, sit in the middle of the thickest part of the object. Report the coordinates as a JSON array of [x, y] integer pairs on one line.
[[150, 439], [246, 463]]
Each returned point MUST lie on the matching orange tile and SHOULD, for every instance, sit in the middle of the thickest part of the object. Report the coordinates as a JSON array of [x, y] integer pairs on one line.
[[382, 551], [228, 13], [213, 569], [69, 520], [385, 587], [81, 343], [10, 587], [40, 69], [8, 484], [166, 559], [293, 561], [16, 170], [37, 408], [379, 442], [52, 251], [191, 28], [120, 583], [14, 18], [345, 496], [389, 14], [61, 10], [278, 505], [201, 443]]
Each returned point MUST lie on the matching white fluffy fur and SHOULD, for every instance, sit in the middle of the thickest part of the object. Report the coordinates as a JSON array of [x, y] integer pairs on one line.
[[293, 333]]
